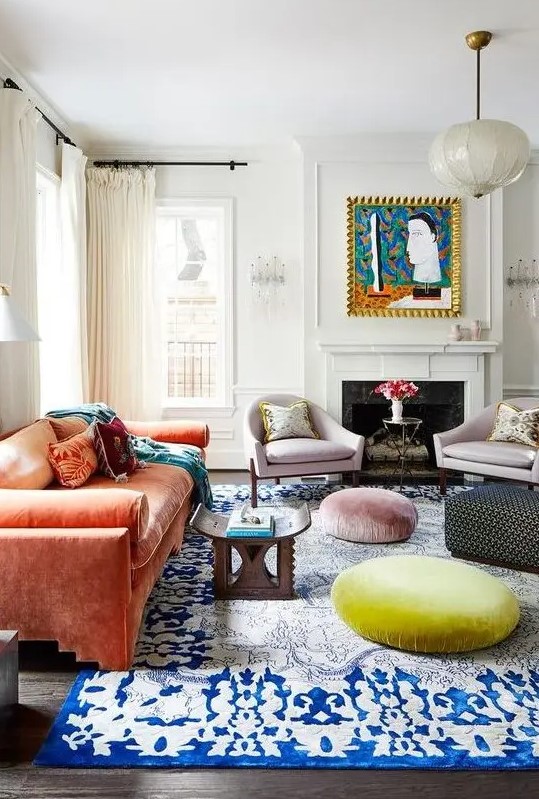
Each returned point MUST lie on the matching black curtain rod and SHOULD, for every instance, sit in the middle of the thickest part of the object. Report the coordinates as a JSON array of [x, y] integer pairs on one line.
[[10, 84], [116, 164]]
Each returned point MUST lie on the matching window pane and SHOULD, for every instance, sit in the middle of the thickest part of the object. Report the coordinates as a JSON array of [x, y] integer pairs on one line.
[[189, 263]]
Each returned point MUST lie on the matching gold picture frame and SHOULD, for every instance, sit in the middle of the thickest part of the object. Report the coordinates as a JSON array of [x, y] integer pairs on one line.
[[403, 256]]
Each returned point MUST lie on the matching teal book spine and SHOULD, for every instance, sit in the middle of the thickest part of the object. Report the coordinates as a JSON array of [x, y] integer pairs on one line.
[[232, 533]]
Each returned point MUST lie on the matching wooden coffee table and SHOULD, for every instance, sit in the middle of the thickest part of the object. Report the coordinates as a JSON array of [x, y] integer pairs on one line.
[[252, 579]]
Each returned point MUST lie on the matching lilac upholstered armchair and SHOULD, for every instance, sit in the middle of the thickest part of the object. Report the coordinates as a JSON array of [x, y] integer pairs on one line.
[[465, 449], [337, 449]]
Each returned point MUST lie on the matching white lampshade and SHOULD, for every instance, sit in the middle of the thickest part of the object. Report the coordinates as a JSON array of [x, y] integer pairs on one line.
[[479, 156], [13, 326]]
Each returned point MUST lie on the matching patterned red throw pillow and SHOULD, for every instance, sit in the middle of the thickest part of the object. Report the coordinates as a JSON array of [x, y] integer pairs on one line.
[[114, 449]]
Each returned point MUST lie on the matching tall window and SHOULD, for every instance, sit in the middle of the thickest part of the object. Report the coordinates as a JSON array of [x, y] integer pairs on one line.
[[195, 276]]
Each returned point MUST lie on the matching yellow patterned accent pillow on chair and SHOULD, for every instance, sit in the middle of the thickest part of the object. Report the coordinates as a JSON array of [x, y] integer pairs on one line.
[[515, 425], [292, 421]]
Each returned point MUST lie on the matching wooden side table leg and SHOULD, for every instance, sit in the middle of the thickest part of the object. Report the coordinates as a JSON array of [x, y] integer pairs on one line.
[[222, 557], [285, 568]]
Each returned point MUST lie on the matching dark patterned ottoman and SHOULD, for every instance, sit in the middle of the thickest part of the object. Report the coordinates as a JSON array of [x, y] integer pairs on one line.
[[494, 523]]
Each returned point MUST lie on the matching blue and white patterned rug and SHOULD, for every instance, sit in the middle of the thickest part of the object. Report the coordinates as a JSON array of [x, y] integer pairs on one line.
[[287, 684]]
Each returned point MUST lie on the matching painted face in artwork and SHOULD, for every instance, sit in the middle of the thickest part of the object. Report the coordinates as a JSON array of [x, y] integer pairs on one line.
[[421, 242]]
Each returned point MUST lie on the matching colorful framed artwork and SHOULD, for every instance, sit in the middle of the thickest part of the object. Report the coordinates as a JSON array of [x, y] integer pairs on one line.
[[404, 256]]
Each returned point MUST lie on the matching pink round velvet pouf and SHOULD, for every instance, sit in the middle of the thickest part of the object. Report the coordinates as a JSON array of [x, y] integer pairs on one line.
[[368, 515]]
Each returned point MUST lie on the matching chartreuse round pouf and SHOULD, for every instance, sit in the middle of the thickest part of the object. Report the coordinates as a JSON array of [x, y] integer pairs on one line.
[[424, 604]]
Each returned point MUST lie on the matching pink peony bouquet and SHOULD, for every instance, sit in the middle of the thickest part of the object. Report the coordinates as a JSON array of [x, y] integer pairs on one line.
[[397, 389]]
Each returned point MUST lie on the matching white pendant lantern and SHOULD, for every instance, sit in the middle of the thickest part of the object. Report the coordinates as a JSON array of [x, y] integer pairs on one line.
[[479, 156]]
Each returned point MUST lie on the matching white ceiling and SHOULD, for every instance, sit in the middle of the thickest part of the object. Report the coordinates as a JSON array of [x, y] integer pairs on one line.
[[166, 73]]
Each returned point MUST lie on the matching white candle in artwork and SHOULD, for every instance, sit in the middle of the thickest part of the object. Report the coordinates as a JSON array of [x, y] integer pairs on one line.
[[374, 251]]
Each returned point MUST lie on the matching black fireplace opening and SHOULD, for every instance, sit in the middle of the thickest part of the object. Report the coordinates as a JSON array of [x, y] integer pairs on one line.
[[439, 404]]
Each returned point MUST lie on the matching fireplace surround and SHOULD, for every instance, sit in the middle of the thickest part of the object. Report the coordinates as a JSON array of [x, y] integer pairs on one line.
[[462, 362], [439, 404]]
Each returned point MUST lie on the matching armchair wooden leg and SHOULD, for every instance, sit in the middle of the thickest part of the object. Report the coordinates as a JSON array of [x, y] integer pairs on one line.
[[254, 494], [443, 481], [277, 481], [355, 479]]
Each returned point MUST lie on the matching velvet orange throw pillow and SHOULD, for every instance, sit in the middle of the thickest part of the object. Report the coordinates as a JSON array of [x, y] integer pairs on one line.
[[67, 426], [73, 460]]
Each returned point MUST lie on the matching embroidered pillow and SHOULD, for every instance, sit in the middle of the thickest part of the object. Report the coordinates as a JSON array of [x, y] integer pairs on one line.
[[515, 425], [114, 448], [292, 421], [73, 460]]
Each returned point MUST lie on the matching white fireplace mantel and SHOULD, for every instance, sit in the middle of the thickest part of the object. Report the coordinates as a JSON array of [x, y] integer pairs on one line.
[[447, 361], [449, 347]]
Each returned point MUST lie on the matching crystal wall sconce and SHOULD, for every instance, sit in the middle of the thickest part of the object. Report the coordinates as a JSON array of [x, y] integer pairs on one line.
[[267, 278], [522, 281]]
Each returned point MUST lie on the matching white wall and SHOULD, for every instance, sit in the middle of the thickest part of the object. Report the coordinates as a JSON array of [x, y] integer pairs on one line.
[[337, 168], [267, 220], [521, 240]]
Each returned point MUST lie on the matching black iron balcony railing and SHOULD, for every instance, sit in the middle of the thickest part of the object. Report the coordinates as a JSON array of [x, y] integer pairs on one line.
[[192, 369]]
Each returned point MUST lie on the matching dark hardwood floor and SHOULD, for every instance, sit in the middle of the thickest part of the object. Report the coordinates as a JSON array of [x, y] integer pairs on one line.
[[45, 679]]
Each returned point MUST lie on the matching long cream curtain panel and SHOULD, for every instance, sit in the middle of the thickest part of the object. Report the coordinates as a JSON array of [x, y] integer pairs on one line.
[[62, 278], [19, 362], [73, 229], [123, 357]]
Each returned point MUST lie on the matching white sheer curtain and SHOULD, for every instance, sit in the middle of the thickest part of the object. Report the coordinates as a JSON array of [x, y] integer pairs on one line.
[[19, 362], [122, 326], [62, 279], [73, 231]]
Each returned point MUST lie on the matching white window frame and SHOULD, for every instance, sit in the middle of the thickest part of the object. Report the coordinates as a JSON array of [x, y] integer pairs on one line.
[[222, 404]]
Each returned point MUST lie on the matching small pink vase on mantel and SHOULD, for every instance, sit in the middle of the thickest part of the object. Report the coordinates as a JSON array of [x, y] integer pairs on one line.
[[455, 333], [475, 330]]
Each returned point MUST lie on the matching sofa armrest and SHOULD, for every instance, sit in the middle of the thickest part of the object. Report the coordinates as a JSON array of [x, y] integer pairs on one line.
[[72, 586], [59, 509], [176, 431]]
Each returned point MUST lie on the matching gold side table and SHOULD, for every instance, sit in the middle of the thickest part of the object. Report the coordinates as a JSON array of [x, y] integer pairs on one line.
[[401, 433]]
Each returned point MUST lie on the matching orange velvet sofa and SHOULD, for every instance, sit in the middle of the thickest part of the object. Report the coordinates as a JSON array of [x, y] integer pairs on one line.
[[77, 565]]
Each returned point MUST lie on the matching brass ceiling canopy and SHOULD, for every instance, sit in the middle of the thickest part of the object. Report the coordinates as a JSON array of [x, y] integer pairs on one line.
[[477, 40]]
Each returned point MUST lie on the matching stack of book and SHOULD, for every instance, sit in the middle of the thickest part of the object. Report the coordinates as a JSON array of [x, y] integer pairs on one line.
[[248, 523]]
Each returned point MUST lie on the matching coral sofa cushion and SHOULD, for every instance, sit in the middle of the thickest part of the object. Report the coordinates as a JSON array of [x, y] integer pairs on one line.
[[67, 427], [173, 431], [23, 457], [73, 460], [58, 508], [114, 448], [425, 604], [166, 488]]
